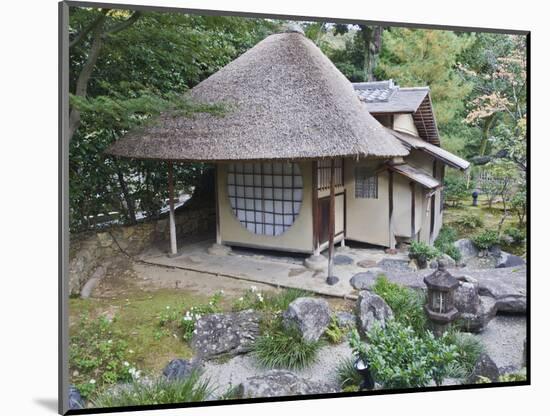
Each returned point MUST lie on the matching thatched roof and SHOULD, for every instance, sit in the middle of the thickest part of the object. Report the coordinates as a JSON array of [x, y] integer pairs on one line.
[[284, 99]]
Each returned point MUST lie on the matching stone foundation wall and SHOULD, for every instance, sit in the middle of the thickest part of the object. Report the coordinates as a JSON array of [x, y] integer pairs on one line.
[[90, 250]]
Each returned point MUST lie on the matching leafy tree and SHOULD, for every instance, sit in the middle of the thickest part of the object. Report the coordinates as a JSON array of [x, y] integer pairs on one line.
[[418, 57]]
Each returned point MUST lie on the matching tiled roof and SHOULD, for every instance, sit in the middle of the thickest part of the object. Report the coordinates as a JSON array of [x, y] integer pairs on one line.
[[415, 175]]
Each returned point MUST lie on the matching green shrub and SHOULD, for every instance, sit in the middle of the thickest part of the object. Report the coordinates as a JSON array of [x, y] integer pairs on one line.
[[285, 348], [162, 391], [347, 375], [512, 377], [334, 333], [518, 236], [193, 314], [469, 349], [444, 242], [399, 358], [486, 239], [470, 221], [456, 189], [423, 253], [98, 355], [407, 304]]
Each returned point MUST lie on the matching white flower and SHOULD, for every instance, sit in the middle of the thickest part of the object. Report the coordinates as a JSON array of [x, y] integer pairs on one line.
[[168, 307], [241, 299], [92, 381], [131, 351], [253, 288], [221, 291], [110, 341], [126, 363]]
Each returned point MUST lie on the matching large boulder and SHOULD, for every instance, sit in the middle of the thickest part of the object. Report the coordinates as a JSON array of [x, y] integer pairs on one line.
[[178, 369], [365, 280], [371, 308], [345, 319], [221, 334], [505, 259], [485, 368], [467, 248], [277, 383], [447, 261], [475, 311], [310, 316]]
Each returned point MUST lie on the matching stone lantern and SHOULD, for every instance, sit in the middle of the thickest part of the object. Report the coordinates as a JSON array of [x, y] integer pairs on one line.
[[440, 307]]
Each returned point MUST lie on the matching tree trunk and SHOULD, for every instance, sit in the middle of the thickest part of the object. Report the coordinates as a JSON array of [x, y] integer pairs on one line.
[[130, 206], [488, 124], [372, 39]]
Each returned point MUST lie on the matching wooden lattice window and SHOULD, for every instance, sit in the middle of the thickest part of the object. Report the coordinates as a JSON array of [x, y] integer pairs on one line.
[[265, 197], [323, 173], [366, 183]]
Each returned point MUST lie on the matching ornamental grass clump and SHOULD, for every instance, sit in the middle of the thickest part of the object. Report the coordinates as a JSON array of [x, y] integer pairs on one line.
[[285, 348], [161, 391], [407, 304], [423, 253], [348, 377], [469, 348]]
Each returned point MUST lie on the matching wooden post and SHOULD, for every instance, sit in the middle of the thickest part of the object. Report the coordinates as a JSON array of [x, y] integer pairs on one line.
[[315, 210], [413, 210], [331, 279], [217, 199], [390, 198], [173, 241]]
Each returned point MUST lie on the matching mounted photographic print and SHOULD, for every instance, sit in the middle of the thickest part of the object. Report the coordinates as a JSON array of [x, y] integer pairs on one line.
[[284, 207]]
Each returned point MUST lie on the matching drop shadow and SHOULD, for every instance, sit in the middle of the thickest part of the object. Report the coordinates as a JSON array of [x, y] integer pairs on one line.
[[48, 404]]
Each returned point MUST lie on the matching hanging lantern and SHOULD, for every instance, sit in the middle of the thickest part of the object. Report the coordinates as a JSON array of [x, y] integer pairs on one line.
[[440, 307]]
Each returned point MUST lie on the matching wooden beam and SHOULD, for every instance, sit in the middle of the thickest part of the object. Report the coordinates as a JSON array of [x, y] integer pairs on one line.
[[173, 240], [217, 199], [315, 208], [331, 221], [390, 199], [413, 210]]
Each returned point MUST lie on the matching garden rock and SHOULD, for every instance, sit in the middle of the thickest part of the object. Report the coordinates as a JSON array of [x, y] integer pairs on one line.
[[446, 261], [178, 369], [276, 383], [512, 303], [225, 333], [398, 265], [310, 316], [345, 319], [364, 280], [475, 311], [342, 260], [75, 399], [467, 248], [508, 260], [371, 308], [485, 367]]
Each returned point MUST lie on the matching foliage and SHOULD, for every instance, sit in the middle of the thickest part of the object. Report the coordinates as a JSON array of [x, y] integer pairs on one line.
[[519, 205], [469, 348], [422, 252], [517, 235], [406, 304], [184, 320], [399, 358], [510, 377], [456, 189], [444, 242], [418, 57], [285, 348], [347, 375], [98, 355], [334, 333], [161, 391], [470, 221], [486, 239]]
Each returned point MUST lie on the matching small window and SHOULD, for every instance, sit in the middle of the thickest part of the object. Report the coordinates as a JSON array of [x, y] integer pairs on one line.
[[323, 173], [366, 183]]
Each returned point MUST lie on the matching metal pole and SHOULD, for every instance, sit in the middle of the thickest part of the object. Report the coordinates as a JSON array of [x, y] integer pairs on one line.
[[173, 240]]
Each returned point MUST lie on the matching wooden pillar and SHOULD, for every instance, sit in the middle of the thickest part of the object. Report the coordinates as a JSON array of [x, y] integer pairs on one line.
[[413, 210], [217, 200], [390, 198], [173, 241], [331, 220], [315, 210]]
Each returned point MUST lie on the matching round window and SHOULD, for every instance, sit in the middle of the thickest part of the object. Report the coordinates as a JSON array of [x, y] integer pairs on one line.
[[265, 197]]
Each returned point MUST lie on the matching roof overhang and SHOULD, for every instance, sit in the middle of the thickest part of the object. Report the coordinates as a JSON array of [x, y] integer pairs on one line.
[[416, 175], [413, 142]]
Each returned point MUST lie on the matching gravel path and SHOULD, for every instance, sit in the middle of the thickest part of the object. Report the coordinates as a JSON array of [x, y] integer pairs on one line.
[[503, 340], [234, 371]]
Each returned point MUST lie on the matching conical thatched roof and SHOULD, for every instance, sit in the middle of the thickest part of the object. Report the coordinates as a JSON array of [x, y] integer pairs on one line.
[[285, 100]]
